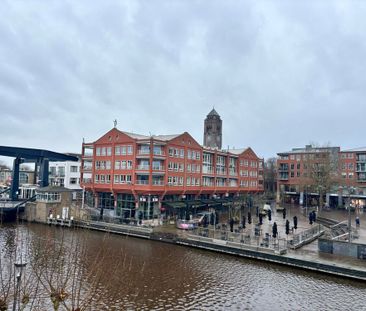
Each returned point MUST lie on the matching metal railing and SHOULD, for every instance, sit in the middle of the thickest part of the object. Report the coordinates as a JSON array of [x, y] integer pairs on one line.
[[306, 236], [246, 237]]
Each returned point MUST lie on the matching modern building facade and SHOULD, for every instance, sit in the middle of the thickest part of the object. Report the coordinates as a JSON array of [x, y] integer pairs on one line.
[[305, 174], [65, 174], [134, 173]]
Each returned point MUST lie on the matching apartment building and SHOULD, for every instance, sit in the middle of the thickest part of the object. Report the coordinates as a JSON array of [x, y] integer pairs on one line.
[[133, 173], [327, 173], [65, 174]]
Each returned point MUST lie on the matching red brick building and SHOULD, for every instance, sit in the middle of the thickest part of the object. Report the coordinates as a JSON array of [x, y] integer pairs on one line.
[[345, 169], [130, 172]]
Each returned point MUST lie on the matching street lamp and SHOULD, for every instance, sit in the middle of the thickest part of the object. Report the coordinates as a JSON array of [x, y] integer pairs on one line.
[[18, 273], [351, 190]]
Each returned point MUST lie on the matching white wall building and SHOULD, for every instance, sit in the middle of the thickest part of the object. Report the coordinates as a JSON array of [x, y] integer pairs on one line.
[[66, 174]]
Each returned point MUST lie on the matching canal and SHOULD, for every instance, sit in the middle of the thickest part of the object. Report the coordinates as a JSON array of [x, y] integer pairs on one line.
[[111, 272]]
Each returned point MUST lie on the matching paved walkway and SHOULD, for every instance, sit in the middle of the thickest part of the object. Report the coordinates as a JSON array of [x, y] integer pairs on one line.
[[308, 252]]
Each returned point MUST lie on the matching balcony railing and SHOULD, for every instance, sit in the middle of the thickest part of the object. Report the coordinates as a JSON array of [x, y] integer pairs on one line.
[[143, 167], [158, 168], [142, 182], [158, 182], [206, 170], [159, 153]]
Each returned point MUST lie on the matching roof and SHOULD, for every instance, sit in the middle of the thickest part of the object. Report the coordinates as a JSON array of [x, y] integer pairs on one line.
[[360, 149], [136, 136], [165, 137], [310, 149], [158, 137], [213, 113], [237, 151]]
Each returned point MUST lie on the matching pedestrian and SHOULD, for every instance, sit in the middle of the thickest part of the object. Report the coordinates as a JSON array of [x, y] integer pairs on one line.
[[243, 222], [295, 222], [269, 215], [249, 217], [231, 224], [260, 219], [284, 213], [357, 221], [257, 211], [274, 230], [311, 218]]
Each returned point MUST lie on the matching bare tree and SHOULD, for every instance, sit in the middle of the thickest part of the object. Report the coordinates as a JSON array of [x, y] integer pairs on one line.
[[270, 177], [320, 170], [63, 272]]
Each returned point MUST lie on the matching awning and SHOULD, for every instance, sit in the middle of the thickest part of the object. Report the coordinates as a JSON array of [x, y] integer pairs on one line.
[[175, 204]]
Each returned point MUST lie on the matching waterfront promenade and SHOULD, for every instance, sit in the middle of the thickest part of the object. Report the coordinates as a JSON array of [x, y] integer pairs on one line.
[[305, 257]]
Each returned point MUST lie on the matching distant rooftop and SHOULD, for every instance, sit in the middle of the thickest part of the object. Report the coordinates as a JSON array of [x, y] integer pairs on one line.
[[360, 149], [158, 137], [310, 149]]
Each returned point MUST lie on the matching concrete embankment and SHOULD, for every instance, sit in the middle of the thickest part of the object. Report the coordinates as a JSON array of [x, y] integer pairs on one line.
[[224, 247]]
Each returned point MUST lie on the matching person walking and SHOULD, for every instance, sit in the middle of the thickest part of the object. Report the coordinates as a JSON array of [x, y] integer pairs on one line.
[[231, 224], [284, 213], [357, 221]]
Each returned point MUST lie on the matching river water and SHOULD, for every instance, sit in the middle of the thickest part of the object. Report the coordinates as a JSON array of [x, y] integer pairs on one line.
[[147, 275]]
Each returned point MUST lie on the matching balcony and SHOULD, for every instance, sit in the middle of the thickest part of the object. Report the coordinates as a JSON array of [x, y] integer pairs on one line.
[[158, 168], [206, 170], [142, 167], [143, 154], [158, 182], [158, 154], [141, 182]]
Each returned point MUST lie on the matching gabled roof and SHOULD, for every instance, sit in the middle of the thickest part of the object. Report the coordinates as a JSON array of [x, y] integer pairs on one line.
[[165, 137], [136, 136], [237, 151]]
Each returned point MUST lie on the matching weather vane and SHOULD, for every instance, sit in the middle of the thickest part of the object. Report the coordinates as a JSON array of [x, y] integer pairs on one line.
[[115, 123]]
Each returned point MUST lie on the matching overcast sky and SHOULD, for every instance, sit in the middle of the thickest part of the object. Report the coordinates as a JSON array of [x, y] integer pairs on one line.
[[280, 73]]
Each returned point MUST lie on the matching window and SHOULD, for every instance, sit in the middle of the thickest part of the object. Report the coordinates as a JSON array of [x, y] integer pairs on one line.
[[109, 151], [189, 154], [129, 149], [298, 166], [171, 152], [246, 163], [181, 167], [198, 155], [292, 166], [170, 166], [188, 167], [108, 165], [117, 150], [73, 169], [350, 166], [108, 179], [117, 165], [98, 151], [297, 174], [298, 157], [292, 174], [292, 157], [350, 175], [116, 179], [188, 181], [96, 179], [73, 181], [123, 150], [182, 153], [129, 165], [103, 151]]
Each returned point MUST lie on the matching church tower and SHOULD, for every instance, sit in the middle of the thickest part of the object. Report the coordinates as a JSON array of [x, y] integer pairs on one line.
[[212, 136]]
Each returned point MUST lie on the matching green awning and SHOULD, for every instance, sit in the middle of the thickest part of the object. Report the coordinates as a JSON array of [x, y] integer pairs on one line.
[[175, 204]]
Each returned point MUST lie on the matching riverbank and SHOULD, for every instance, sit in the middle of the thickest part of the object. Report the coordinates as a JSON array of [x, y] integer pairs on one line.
[[310, 260]]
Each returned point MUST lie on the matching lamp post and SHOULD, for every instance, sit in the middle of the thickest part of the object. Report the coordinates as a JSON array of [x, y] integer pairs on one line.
[[350, 191], [18, 274]]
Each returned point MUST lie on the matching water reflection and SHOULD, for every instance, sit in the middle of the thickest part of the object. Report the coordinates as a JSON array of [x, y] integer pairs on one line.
[[146, 275]]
